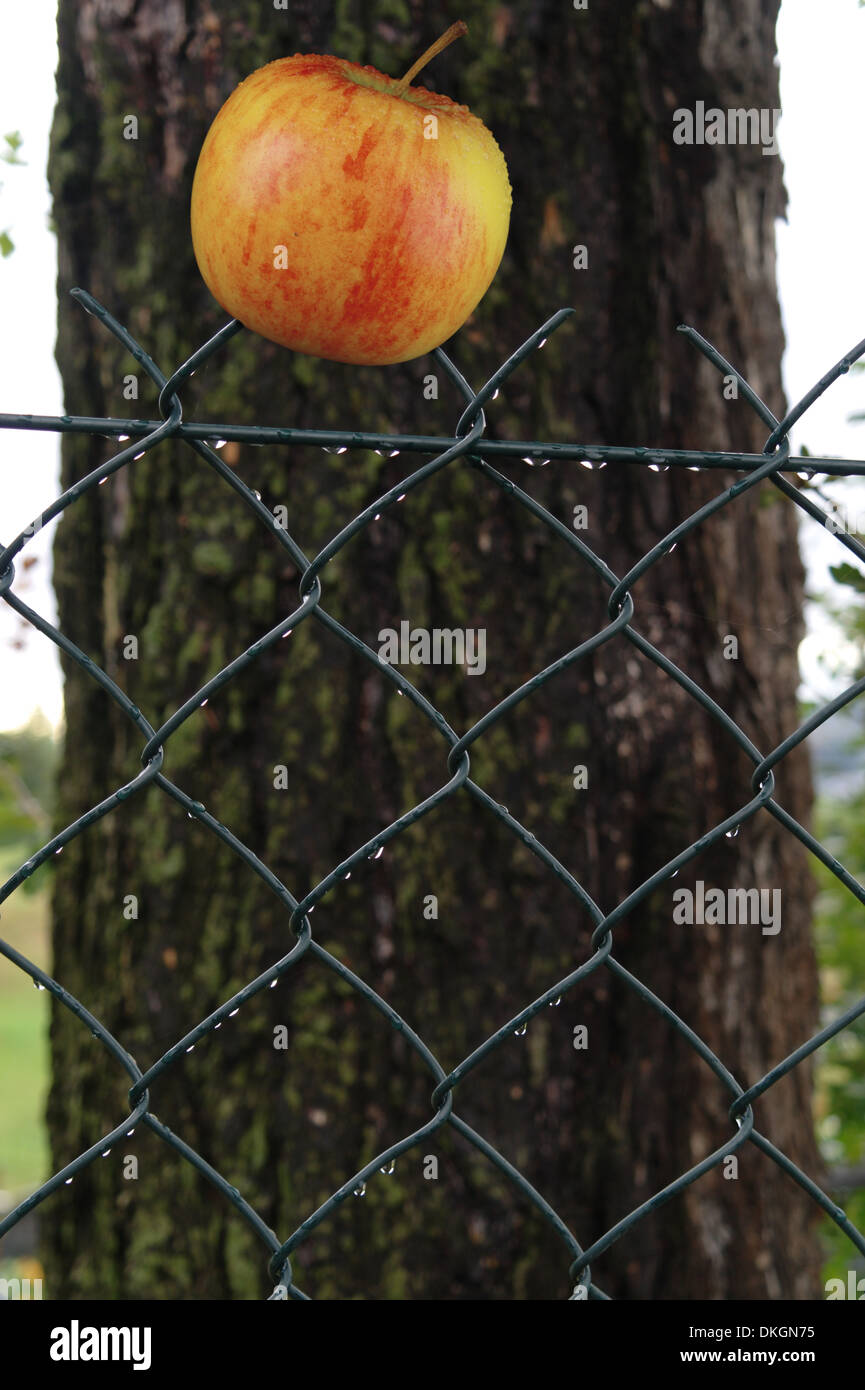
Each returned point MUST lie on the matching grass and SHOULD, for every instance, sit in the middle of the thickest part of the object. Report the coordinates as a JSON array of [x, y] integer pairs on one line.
[[24, 1014]]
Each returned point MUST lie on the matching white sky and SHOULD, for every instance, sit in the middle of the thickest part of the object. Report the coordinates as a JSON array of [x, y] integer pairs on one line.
[[29, 383], [822, 290], [820, 256]]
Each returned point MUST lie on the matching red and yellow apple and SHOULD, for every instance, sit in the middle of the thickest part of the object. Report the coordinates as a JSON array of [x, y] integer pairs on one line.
[[346, 214]]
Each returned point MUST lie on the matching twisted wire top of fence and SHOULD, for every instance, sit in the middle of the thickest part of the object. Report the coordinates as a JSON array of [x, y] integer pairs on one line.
[[469, 445]]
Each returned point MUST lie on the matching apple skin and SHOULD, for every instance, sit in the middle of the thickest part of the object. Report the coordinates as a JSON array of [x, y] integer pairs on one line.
[[392, 238]]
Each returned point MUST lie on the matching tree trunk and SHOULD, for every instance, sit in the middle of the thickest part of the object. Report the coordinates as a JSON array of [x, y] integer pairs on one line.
[[582, 105]]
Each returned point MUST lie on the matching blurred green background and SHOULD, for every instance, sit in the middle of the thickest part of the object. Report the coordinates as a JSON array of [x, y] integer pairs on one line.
[[27, 761]]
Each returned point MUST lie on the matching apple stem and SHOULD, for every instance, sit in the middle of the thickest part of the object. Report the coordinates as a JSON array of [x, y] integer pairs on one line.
[[456, 31]]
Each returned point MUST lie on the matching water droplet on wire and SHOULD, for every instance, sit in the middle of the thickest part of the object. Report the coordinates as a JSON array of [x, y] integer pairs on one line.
[[731, 834], [554, 1003], [388, 1168], [360, 1190], [521, 1031]]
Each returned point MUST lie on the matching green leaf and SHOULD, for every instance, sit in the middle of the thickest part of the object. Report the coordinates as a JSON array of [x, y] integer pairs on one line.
[[847, 574], [14, 143], [7, 245]]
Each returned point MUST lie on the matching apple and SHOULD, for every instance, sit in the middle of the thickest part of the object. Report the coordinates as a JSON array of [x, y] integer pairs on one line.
[[347, 214]]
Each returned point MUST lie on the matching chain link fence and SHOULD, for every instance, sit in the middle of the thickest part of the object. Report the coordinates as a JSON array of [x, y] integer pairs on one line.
[[469, 445]]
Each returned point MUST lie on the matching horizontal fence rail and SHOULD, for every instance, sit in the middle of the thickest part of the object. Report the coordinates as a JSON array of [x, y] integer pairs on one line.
[[467, 444]]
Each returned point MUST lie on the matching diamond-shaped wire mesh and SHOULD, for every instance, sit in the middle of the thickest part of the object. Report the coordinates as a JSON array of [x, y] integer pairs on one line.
[[468, 445]]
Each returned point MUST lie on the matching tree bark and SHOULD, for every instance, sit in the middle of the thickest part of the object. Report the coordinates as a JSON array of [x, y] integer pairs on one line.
[[582, 105]]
